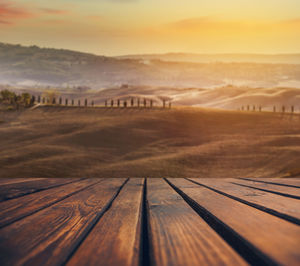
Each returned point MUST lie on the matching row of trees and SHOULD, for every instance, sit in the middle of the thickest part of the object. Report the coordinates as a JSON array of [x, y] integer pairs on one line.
[[59, 101], [283, 108], [10, 98], [134, 103]]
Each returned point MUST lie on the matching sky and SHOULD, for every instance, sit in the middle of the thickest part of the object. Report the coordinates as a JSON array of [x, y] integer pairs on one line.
[[121, 27]]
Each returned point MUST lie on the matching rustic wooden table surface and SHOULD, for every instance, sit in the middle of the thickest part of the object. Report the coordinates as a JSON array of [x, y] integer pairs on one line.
[[136, 221]]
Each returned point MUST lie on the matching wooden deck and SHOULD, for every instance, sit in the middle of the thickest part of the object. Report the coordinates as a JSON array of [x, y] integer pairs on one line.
[[149, 221]]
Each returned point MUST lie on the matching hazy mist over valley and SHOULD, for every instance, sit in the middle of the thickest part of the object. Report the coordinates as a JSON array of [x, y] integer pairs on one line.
[[224, 80]]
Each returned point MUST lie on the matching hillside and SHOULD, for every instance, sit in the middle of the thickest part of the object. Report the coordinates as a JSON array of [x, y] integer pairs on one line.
[[225, 97], [181, 142], [224, 58], [34, 66]]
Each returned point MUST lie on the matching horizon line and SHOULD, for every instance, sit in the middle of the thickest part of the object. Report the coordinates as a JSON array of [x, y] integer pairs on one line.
[[151, 53]]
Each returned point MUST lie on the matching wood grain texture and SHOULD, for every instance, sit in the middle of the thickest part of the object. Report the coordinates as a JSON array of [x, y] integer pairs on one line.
[[279, 190], [276, 238], [287, 208], [15, 209], [49, 236], [278, 181], [115, 239], [6, 181], [14, 190], [178, 235]]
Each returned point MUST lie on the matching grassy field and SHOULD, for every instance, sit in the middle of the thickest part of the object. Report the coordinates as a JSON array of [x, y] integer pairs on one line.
[[181, 142]]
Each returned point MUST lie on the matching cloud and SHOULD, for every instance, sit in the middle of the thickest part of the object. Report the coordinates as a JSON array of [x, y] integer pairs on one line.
[[5, 22], [291, 22], [214, 24], [53, 11], [53, 21], [207, 23], [189, 23], [9, 12]]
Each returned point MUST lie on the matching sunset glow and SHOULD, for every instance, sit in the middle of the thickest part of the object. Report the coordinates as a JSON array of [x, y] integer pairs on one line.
[[116, 27]]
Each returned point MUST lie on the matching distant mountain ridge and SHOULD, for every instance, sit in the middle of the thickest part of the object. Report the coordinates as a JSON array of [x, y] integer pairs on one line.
[[42, 67], [48, 66], [225, 58]]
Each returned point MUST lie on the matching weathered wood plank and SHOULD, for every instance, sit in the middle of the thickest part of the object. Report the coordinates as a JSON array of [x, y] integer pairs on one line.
[[178, 235], [49, 236], [15, 209], [279, 190], [6, 181], [294, 182], [10, 191], [286, 208], [277, 239], [116, 238]]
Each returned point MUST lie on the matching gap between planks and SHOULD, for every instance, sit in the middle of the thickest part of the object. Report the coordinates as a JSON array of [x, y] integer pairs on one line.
[[272, 240], [18, 208], [11, 191], [283, 191], [145, 256], [49, 236], [286, 182], [285, 208]]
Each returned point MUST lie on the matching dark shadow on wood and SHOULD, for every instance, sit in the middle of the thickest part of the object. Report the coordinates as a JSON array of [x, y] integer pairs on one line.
[[257, 206], [246, 250]]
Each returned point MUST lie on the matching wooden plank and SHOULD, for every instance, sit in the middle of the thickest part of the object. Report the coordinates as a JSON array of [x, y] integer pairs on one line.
[[293, 182], [49, 236], [15, 209], [10, 191], [178, 235], [6, 181], [285, 191], [116, 238], [286, 208], [275, 240]]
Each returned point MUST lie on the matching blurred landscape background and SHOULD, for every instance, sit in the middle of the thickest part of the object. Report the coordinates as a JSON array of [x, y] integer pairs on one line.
[[226, 81], [59, 141], [212, 140]]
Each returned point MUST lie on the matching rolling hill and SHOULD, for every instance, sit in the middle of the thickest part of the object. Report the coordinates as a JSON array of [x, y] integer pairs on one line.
[[181, 142], [42, 67]]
